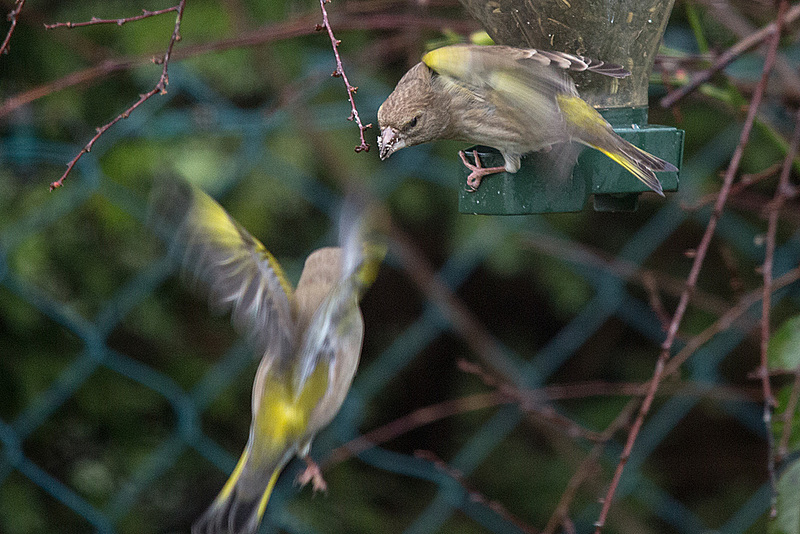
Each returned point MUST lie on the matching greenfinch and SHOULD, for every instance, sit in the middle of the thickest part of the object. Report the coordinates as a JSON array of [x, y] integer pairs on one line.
[[309, 337], [515, 100]]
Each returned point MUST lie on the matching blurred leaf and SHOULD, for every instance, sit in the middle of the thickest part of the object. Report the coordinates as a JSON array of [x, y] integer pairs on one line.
[[780, 426], [480, 38], [784, 346], [788, 518]]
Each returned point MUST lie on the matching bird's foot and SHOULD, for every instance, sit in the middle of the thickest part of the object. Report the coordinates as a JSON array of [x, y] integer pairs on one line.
[[478, 172], [312, 474]]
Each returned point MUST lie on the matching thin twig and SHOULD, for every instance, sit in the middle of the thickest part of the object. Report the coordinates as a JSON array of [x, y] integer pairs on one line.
[[339, 72], [728, 57], [12, 16], [729, 16], [781, 193], [119, 22], [722, 324], [629, 271], [473, 493], [694, 273], [266, 34], [588, 467], [651, 285], [160, 88], [533, 402], [418, 418], [726, 321], [745, 181]]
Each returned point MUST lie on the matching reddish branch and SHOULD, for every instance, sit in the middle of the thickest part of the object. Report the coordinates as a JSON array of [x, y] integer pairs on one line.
[[12, 17], [270, 33], [119, 22], [588, 467], [694, 273], [160, 87], [339, 72], [745, 181], [783, 192], [416, 419], [725, 322]]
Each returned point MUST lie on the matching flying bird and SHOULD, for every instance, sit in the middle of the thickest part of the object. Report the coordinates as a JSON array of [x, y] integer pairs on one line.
[[309, 338]]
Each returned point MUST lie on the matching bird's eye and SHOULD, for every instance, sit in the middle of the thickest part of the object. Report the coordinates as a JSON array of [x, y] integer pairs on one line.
[[413, 122]]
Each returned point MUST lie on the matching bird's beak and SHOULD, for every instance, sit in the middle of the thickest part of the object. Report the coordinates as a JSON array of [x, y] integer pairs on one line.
[[389, 142]]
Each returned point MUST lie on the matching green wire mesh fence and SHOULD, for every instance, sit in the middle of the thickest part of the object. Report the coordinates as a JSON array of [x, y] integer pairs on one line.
[[125, 402]]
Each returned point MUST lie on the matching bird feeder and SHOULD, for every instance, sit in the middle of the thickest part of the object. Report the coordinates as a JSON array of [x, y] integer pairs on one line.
[[626, 32]]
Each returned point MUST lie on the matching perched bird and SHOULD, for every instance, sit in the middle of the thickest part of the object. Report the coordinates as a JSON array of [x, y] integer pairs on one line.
[[515, 100], [309, 338]]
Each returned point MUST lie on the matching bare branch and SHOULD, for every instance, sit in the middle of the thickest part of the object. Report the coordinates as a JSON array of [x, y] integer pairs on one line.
[[781, 193], [12, 16], [160, 88], [266, 34], [339, 72], [694, 273], [119, 22]]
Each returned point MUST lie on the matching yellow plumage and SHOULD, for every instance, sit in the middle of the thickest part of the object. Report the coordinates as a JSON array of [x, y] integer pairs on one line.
[[309, 338]]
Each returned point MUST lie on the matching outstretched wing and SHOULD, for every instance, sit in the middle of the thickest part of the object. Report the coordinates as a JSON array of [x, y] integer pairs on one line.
[[231, 266]]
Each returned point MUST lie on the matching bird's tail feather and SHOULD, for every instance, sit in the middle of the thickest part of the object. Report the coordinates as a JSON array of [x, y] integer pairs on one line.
[[641, 164], [587, 126], [238, 509]]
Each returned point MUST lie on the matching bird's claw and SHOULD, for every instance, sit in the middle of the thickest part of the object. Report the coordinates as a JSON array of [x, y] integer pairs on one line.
[[312, 474], [478, 171]]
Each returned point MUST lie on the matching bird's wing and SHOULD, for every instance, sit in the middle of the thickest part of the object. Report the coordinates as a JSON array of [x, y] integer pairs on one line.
[[231, 266], [525, 87], [528, 56], [479, 66]]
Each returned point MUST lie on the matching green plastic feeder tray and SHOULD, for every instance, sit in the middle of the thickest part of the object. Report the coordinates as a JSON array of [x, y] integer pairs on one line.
[[614, 188]]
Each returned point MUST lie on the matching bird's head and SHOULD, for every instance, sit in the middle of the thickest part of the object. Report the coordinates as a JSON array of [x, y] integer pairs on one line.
[[410, 116]]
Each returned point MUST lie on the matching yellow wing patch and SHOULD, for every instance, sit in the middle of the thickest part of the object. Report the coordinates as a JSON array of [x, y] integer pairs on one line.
[[449, 60], [218, 226]]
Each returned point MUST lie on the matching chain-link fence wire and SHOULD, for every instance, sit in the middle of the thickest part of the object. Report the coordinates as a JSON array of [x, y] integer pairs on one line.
[[125, 402]]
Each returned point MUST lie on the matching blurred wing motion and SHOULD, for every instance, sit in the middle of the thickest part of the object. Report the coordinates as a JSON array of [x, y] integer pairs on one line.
[[520, 87], [311, 338], [231, 266]]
